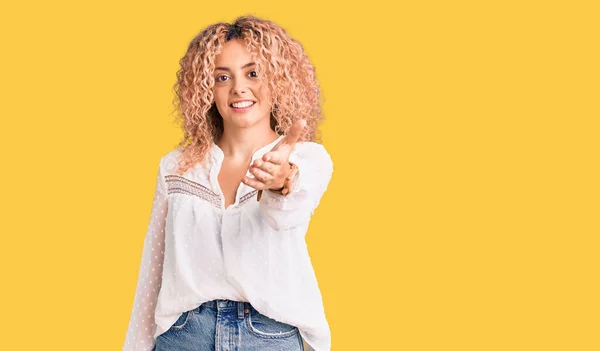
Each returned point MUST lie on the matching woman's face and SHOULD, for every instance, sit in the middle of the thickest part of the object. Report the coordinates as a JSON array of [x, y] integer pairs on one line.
[[241, 100]]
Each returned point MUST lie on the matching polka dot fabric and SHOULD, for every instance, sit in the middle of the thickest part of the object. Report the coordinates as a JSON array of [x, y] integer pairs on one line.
[[196, 250], [142, 324]]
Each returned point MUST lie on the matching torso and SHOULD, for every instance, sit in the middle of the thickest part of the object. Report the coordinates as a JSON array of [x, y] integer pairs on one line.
[[230, 177]]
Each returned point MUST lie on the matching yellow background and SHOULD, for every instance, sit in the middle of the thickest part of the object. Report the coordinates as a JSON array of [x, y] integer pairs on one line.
[[463, 212]]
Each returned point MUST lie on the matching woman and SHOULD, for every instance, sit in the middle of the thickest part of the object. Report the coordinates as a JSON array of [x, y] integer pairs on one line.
[[225, 265]]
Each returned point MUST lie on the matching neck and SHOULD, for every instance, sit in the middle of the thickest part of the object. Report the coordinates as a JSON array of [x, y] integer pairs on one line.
[[241, 143]]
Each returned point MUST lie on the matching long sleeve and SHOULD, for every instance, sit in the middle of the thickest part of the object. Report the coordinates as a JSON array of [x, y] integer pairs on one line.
[[140, 333], [315, 169]]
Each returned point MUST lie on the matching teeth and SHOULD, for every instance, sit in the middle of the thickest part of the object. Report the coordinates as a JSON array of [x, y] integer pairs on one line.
[[242, 104]]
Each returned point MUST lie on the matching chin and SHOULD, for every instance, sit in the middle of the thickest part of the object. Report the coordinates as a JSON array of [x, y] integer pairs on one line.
[[242, 121], [245, 120]]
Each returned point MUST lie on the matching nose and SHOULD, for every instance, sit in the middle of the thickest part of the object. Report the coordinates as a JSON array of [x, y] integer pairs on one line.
[[239, 87]]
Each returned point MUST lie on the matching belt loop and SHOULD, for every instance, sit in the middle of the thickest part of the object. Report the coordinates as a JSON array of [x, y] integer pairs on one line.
[[240, 306]]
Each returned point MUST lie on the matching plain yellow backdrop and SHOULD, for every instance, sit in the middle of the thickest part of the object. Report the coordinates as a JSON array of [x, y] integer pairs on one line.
[[463, 212]]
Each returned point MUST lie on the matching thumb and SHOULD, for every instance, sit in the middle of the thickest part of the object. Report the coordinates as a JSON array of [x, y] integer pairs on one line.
[[293, 134]]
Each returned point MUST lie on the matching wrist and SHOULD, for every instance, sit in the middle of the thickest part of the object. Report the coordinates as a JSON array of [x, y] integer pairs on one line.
[[277, 189]]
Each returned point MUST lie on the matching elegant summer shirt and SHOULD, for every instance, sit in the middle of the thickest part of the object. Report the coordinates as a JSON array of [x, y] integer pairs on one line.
[[196, 250]]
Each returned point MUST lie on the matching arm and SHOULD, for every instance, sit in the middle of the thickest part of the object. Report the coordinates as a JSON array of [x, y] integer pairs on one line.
[[315, 169], [140, 333]]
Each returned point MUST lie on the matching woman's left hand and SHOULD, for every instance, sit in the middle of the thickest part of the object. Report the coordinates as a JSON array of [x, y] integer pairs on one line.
[[271, 170]]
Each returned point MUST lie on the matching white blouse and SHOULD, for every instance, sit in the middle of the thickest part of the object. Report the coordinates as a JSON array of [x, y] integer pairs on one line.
[[196, 250]]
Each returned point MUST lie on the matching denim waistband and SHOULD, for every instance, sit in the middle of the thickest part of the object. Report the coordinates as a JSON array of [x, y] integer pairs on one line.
[[224, 304]]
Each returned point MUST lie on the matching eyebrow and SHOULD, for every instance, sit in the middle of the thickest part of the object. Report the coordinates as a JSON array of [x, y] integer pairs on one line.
[[228, 70]]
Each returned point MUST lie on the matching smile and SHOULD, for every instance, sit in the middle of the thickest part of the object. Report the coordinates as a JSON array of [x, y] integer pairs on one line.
[[242, 106]]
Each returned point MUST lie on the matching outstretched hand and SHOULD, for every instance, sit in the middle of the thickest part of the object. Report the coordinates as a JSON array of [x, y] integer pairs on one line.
[[271, 170]]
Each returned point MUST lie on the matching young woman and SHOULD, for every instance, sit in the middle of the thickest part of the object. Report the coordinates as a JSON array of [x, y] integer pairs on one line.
[[225, 265]]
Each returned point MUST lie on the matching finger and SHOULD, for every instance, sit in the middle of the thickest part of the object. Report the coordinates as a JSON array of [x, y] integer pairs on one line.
[[267, 166], [263, 164], [293, 134], [274, 157], [295, 131], [252, 182], [260, 175]]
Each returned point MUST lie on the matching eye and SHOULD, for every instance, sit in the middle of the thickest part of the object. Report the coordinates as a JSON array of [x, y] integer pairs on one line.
[[221, 78], [253, 74]]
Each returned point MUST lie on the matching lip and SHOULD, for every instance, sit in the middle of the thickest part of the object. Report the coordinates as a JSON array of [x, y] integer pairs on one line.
[[245, 109]]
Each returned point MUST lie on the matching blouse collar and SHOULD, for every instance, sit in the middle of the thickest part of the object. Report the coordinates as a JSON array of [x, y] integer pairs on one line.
[[218, 155]]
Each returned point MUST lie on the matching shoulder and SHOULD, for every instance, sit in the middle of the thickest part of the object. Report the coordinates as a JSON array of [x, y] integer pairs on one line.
[[310, 149], [169, 162], [312, 152]]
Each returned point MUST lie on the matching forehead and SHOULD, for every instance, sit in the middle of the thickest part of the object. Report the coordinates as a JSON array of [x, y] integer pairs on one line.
[[234, 54]]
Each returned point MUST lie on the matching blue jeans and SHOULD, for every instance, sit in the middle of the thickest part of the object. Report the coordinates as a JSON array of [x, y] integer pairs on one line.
[[225, 325]]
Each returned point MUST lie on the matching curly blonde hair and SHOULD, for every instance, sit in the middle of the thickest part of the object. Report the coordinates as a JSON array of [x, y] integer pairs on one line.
[[283, 65]]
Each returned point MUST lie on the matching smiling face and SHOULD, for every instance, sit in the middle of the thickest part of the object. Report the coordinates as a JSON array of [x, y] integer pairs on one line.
[[240, 98]]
